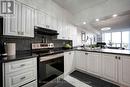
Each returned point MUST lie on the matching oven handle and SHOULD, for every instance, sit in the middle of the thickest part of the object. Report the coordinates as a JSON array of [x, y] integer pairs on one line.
[[50, 57]]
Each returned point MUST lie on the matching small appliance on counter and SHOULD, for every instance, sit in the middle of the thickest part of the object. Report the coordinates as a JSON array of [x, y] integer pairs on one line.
[[101, 44], [11, 49]]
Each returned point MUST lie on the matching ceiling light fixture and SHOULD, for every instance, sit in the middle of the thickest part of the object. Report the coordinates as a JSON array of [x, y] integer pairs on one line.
[[84, 22], [97, 19], [106, 28], [115, 15]]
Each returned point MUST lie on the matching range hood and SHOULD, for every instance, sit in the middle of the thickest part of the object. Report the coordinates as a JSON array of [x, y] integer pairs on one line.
[[45, 31]]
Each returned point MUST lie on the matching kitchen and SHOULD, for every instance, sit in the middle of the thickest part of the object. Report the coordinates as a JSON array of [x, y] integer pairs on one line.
[[62, 43]]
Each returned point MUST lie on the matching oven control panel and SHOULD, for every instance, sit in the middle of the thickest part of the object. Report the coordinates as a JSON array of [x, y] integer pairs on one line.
[[42, 45]]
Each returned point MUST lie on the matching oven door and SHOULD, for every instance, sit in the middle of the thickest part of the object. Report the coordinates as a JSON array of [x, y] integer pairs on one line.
[[50, 69]]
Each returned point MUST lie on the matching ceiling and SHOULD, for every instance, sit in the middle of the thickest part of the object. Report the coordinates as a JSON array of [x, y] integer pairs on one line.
[[120, 22], [89, 10], [75, 6]]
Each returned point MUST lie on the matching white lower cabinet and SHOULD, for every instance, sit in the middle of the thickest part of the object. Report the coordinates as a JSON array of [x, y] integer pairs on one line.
[[69, 62], [81, 60], [21, 72], [113, 67], [94, 63], [124, 70], [109, 66]]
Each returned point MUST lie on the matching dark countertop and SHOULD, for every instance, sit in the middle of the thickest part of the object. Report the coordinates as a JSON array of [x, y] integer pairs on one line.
[[28, 54], [19, 56]]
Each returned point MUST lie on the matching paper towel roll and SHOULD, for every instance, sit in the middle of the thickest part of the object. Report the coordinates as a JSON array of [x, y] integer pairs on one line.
[[11, 49]]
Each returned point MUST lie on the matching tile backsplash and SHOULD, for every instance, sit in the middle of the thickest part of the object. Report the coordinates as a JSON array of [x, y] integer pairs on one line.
[[24, 43]]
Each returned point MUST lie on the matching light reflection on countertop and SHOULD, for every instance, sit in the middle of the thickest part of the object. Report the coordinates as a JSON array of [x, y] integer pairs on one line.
[[110, 51]]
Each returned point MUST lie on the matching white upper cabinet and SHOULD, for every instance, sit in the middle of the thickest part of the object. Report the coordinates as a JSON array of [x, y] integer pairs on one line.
[[109, 66], [40, 19], [124, 70], [27, 21], [48, 21], [21, 23], [59, 29], [94, 63], [12, 22], [54, 23]]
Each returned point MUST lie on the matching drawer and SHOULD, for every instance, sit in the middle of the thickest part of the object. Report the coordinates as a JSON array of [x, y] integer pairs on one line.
[[32, 84], [19, 65], [18, 79]]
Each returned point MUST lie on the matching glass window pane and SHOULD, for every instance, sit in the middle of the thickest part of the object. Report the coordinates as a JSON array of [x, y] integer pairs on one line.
[[107, 37], [116, 37], [125, 39]]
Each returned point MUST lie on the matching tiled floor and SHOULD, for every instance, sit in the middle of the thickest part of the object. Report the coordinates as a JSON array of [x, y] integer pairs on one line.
[[84, 80], [78, 79], [75, 82]]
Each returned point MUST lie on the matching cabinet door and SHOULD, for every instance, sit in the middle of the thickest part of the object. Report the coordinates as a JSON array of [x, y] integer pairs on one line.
[[64, 30], [124, 70], [27, 21], [94, 63], [81, 60], [48, 21], [54, 23], [13, 21], [59, 29], [40, 18], [109, 66], [69, 62]]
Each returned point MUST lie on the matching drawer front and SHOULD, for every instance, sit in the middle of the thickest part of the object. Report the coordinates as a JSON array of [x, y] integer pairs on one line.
[[19, 65], [18, 79], [32, 84]]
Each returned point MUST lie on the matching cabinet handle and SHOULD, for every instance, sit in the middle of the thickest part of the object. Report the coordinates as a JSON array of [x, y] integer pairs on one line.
[[86, 53], [22, 78], [22, 33], [22, 65], [115, 57], [119, 58], [19, 33]]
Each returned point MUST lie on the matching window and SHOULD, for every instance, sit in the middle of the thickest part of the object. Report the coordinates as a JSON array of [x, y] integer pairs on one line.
[[125, 39], [117, 39], [107, 38]]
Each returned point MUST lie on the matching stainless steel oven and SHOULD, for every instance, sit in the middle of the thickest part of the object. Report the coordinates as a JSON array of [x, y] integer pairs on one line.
[[50, 67]]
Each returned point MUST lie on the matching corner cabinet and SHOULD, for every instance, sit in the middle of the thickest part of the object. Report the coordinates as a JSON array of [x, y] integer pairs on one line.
[[81, 60], [21, 23], [69, 62]]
